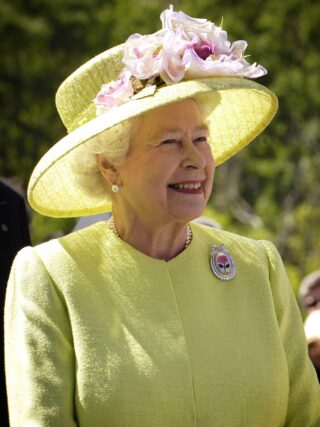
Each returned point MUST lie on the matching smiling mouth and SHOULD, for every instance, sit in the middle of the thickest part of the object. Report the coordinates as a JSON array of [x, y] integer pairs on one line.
[[187, 187]]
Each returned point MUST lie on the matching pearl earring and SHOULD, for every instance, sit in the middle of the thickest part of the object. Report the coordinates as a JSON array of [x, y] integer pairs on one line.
[[115, 188]]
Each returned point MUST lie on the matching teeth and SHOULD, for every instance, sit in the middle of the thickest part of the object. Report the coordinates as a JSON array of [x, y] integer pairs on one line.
[[191, 186]]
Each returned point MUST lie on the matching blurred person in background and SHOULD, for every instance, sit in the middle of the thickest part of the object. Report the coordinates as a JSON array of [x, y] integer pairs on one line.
[[309, 293], [14, 235], [149, 319]]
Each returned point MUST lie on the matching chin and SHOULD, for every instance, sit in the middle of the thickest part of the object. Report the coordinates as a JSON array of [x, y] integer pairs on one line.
[[188, 215]]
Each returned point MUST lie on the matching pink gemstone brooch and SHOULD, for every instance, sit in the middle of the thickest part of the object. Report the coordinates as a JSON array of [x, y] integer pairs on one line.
[[222, 264]]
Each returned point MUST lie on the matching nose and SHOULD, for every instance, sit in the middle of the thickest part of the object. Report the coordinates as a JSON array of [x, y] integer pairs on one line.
[[192, 156]]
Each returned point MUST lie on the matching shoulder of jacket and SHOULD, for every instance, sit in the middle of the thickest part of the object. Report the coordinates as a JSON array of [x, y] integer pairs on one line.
[[227, 236], [235, 242], [76, 237]]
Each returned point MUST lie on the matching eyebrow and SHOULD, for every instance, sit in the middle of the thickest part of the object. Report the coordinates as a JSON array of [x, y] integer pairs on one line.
[[173, 131]]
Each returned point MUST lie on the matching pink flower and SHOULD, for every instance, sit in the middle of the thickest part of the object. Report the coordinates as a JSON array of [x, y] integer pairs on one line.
[[202, 48], [223, 65], [197, 67], [115, 93], [191, 29]]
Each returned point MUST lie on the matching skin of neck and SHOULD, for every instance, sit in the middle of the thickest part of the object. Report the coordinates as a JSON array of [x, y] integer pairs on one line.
[[161, 240]]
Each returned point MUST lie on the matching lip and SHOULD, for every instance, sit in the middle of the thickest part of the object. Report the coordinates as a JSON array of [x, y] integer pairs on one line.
[[188, 187]]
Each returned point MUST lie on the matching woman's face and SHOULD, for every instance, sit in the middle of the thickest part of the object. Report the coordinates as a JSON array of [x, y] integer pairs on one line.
[[167, 174]]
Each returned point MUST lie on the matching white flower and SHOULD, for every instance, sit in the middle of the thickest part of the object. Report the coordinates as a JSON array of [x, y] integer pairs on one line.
[[143, 55], [237, 49], [172, 21], [173, 69]]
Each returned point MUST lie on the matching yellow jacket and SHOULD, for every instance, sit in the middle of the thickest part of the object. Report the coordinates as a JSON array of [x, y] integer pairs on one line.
[[99, 334]]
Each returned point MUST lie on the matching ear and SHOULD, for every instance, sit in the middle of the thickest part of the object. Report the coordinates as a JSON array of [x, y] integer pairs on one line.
[[108, 170]]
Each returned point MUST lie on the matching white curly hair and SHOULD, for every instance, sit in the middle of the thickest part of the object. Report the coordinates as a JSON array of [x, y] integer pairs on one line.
[[111, 146]]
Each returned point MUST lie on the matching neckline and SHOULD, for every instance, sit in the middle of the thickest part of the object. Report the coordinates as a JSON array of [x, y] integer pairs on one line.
[[121, 244]]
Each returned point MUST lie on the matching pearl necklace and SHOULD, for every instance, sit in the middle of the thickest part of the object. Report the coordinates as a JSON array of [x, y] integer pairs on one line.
[[112, 227]]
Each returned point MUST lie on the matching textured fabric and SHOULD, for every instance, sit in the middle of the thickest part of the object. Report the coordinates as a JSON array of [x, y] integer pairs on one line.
[[237, 110], [99, 334]]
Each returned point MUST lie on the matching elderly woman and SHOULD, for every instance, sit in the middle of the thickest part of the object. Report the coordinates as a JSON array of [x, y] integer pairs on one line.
[[149, 319]]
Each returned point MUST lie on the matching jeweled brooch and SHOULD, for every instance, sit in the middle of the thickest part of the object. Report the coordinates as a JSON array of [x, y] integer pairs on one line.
[[222, 264]]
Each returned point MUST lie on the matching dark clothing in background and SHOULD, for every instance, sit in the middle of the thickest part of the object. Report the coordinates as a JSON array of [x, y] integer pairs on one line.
[[14, 235], [14, 229]]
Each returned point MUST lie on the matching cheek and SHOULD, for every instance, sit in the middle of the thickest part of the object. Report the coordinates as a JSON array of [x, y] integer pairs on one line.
[[213, 169], [210, 163], [158, 169], [210, 173], [150, 181]]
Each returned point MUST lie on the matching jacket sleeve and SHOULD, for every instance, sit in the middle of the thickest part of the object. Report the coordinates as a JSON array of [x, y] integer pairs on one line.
[[39, 356], [304, 389]]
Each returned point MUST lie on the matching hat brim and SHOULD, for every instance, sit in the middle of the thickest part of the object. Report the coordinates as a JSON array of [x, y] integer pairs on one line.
[[240, 110]]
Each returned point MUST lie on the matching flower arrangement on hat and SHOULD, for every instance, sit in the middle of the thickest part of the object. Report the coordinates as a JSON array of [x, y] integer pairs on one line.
[[185, 48]]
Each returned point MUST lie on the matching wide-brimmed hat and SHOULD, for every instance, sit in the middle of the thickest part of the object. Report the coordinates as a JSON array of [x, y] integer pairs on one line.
[[188, 58]]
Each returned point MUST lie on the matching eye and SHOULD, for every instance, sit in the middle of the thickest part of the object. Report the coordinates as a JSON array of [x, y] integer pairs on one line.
[[201, 139], [168, 141]]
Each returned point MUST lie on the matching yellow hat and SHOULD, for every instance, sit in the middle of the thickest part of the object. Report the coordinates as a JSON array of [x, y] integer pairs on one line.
[[188, 58]]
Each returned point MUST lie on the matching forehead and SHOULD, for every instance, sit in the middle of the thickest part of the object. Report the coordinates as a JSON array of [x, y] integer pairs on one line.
[[184, 115]]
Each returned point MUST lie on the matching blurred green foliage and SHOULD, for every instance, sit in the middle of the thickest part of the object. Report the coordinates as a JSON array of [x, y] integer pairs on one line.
[[270, 190]]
